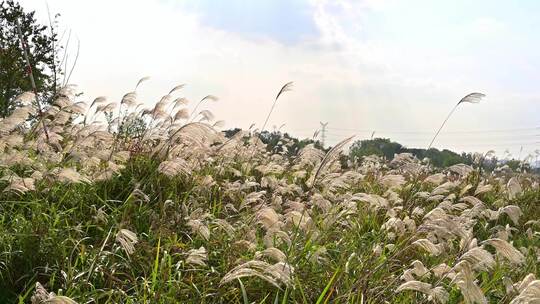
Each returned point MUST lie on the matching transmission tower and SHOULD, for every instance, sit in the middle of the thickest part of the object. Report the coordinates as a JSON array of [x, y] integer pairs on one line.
[[323, 132]]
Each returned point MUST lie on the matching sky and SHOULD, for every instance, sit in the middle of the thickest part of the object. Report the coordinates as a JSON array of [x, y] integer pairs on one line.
[[393, 67]]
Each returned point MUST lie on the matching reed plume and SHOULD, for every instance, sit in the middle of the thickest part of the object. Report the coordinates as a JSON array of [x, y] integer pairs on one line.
[[285, 88], [470, 98]]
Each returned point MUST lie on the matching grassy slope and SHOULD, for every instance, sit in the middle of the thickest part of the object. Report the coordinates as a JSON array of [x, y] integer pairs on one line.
[[52, 236]]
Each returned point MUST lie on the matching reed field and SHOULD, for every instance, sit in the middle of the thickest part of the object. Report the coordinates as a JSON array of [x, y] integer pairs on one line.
[[113, 202]]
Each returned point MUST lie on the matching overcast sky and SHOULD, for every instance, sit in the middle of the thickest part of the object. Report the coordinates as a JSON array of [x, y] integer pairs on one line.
[[393, 67]]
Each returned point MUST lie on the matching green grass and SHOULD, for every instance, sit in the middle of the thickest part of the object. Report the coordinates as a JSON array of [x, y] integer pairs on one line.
[[52, 236], [187, 215]]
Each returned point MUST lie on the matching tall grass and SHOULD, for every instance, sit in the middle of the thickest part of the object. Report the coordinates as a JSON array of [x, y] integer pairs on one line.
[[182, 214], [469, 98]]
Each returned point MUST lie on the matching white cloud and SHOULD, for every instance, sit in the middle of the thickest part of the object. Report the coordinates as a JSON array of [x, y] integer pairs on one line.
[[352, 83]]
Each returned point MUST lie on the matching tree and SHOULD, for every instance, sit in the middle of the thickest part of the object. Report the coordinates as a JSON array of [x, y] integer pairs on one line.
[[280, 142], [515, 164], [42, 44], [378, 146], [283, 142], [387, 149], [441, 158]]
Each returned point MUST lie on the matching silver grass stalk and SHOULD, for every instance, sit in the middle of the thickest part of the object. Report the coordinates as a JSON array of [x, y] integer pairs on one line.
[[59, 300], [197, 257], [207, 97], [285, 88], [470, 98], [520, 286], [513, 187], [530, 294], [479, 258], [428, 246], [513, 212], [437, 294], [176, 88], [506, 250], [277, 274], [272, 253], [141, 81], [416, 286], [41, 296], [225, 226], [127, 240], [329, 157], [465, 281]]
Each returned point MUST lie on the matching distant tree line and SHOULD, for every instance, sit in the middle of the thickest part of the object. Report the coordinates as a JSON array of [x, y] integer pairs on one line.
[[277, 141], [283, 142], [386, 148]]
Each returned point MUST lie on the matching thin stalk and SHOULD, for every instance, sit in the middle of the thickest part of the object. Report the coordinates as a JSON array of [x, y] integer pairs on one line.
[[444, 122], [195, 109], [117, 131], [74, 62], [268, 116], [284, 88], [55, 67], [97, 255], [32, 81], [469, 98], [197, 106], [64, 57]]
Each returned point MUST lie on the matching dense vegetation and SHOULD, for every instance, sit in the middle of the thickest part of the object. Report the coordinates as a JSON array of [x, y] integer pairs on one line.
[[179, 212], [112, 202], [386, 148]]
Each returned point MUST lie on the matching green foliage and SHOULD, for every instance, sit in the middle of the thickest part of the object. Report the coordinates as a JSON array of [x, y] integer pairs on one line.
[[132, 127], [442, 158], [13, 68], [278, 142], [379, 146], [56, 236], [283, 142], [386, 148], [514, 164]]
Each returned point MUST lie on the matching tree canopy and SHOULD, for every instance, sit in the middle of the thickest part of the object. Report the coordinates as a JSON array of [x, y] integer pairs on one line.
[[385, 148], [41, 41]]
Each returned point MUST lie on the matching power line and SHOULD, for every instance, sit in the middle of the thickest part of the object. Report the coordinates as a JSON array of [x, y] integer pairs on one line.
[[332, 132], [521, 133], [445, 138], [431, 132], [465, 141], [468, 141], [526, 136]]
